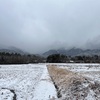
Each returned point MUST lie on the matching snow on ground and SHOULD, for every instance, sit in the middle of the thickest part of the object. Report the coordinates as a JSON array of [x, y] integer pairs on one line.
[[76, 81], [32, 81], [25, 82], [45, 89], [91, 71]]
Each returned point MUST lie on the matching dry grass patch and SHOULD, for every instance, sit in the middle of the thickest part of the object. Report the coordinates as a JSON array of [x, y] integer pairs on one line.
[[62, 76], [71, 86]]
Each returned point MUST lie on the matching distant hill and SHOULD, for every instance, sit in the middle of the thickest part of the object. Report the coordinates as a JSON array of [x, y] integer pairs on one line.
[[50, 52], [12, 50], [73, 52]]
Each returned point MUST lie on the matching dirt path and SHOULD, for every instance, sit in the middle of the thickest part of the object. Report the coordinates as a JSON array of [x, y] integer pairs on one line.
[[45, 89]]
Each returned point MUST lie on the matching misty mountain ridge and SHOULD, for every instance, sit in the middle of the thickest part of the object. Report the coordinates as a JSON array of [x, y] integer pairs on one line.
[[73, 52], [68, 52], [12, 50]]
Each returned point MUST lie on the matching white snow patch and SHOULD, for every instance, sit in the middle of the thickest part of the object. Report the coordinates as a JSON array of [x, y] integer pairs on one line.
[[28, 81], [45, 89]]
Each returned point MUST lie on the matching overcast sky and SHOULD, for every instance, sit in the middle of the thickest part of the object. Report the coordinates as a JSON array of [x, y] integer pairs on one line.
[[40, 25]]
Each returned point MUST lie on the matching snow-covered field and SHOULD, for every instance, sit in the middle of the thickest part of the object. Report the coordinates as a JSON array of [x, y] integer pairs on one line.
[[33, 82], [77, 81], [91, 71], [25, 82]]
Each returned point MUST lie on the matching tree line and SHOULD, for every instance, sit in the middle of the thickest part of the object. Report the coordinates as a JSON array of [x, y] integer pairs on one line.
[[59, 58], [15, 58]]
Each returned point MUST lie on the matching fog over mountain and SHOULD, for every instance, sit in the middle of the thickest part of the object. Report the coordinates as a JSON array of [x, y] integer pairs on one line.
[[40, 25]]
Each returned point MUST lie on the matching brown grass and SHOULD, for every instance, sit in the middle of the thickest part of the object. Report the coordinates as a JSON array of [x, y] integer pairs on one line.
[[70, 84], [62, 76]]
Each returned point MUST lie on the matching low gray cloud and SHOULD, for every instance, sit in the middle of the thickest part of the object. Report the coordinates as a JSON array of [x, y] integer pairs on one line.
[[40, 25]]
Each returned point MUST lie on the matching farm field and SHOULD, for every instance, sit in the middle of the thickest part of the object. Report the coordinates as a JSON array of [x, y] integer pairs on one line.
[[50, 82], [25, 82], [76, 81], [91, 71]]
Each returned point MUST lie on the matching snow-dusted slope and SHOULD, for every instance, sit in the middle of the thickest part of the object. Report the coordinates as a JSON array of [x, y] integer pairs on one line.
[[25, 82]]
